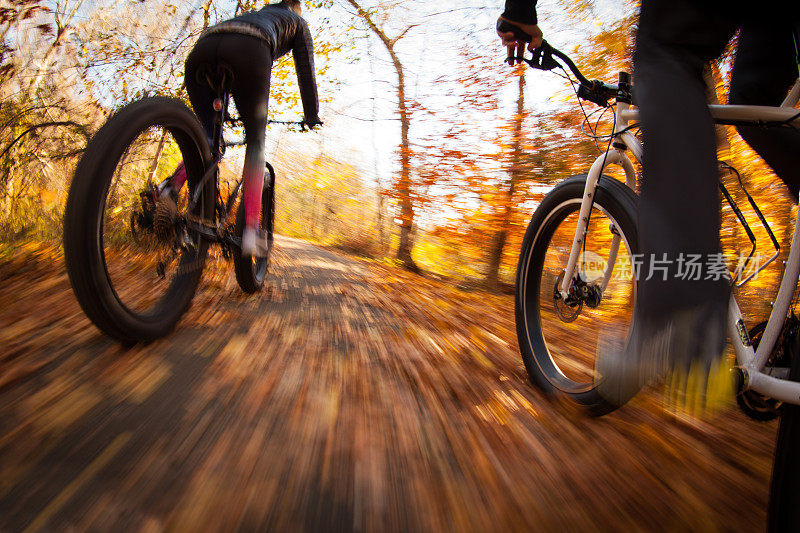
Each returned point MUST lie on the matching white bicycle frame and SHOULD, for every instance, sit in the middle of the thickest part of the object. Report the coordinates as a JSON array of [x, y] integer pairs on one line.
[[770, 382]]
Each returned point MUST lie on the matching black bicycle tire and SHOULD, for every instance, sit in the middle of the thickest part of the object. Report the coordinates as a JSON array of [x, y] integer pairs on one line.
[[621, 203], [83, 254], [251, 273], [783, 512]]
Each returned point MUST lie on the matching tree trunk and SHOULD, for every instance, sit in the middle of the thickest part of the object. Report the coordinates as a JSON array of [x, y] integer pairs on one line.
[[380, 223], [159, 150], [515, 173], [404, 185], [207, 13], [403, 188]]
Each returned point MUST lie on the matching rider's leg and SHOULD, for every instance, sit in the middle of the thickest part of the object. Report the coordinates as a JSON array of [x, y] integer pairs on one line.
[[251, 61], [202, 98], [763, 72], [177, 179], [204, 54], [678, 320], [679, 206]]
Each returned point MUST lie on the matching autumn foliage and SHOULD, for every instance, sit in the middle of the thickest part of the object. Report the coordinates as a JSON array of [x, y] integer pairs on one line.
[[476, 144]]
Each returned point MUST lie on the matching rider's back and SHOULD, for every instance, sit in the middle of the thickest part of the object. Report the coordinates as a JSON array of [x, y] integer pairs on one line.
[[276, 24], [282, 30]]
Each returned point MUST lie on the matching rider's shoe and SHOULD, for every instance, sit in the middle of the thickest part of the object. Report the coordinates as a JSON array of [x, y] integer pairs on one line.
[[685, 349], [255, 243]]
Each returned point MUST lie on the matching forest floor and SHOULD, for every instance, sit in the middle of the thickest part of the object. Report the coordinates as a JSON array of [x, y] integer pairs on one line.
[[348, 395]]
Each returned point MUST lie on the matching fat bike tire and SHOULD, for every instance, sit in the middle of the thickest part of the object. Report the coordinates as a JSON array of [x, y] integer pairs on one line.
[[251, 272], [95, 198], [557, 342]]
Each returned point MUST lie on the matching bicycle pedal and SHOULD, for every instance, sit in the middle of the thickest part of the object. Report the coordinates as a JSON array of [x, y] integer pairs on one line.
[[186, 242]]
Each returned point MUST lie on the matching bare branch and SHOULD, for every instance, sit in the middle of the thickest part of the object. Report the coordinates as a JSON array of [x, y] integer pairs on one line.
[[80, 127]]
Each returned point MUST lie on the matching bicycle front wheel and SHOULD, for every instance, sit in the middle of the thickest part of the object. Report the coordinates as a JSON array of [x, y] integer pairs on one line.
[[133, 260], [560, 333]]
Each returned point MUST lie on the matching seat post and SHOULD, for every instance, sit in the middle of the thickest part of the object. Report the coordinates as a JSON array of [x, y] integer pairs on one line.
[[220, 80]]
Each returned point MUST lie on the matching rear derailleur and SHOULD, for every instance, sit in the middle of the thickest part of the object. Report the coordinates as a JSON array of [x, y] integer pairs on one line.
[[159, 217], [143, 219]]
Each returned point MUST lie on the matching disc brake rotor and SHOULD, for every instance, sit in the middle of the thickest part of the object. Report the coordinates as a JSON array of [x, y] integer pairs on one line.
[[567, 309]]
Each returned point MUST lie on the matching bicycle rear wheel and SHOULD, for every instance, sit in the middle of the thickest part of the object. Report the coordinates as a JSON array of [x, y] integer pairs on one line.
[[783, 513], [251, 272], [133, 261], [559, 337]]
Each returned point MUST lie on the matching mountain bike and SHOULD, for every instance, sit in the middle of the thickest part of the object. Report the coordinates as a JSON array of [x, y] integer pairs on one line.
[[575, 283], [135, 261]]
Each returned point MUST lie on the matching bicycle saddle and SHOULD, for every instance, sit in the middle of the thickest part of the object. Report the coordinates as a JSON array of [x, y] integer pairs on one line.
[[218, 76]]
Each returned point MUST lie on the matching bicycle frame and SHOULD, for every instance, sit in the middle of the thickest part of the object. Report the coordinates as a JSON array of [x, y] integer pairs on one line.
[[751, 362], [212, 229]]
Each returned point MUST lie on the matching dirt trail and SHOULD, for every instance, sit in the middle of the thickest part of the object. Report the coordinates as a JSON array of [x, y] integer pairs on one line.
[[347, 396]]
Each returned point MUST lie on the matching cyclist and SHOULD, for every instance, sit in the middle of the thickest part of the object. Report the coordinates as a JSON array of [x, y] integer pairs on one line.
[[248, 45], [680, 323]]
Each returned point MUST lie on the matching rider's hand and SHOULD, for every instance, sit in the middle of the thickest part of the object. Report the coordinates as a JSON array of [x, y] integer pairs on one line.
[[516, 47]]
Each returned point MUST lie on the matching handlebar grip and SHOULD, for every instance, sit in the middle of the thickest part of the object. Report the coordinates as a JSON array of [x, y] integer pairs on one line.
[[503, 26]]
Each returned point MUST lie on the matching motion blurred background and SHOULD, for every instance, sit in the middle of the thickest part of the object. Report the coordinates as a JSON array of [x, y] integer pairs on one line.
[[433, 156], [457, 160]]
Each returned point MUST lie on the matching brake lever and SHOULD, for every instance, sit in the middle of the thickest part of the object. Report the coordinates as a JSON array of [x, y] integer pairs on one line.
[[543, 57]]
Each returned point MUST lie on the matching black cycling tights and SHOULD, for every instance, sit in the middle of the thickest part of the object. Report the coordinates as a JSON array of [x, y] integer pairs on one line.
[[250, 61], [679, 206]]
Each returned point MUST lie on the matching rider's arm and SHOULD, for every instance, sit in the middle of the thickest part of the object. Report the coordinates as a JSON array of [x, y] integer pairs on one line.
[[521, 14], [303, 52], [521, 11]]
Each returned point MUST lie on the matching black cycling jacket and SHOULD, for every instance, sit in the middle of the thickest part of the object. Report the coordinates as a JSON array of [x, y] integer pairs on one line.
[[523, 11], [284, 30]]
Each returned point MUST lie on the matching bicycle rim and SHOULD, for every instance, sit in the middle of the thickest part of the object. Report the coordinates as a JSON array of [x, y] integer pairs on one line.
[[148, 252], [565, 336]]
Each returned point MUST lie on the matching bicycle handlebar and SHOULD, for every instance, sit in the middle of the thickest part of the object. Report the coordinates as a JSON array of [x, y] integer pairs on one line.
[[595, 91], [302, 123]]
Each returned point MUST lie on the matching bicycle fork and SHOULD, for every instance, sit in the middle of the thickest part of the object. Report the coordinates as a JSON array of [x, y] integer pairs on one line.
[[615, 156]]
